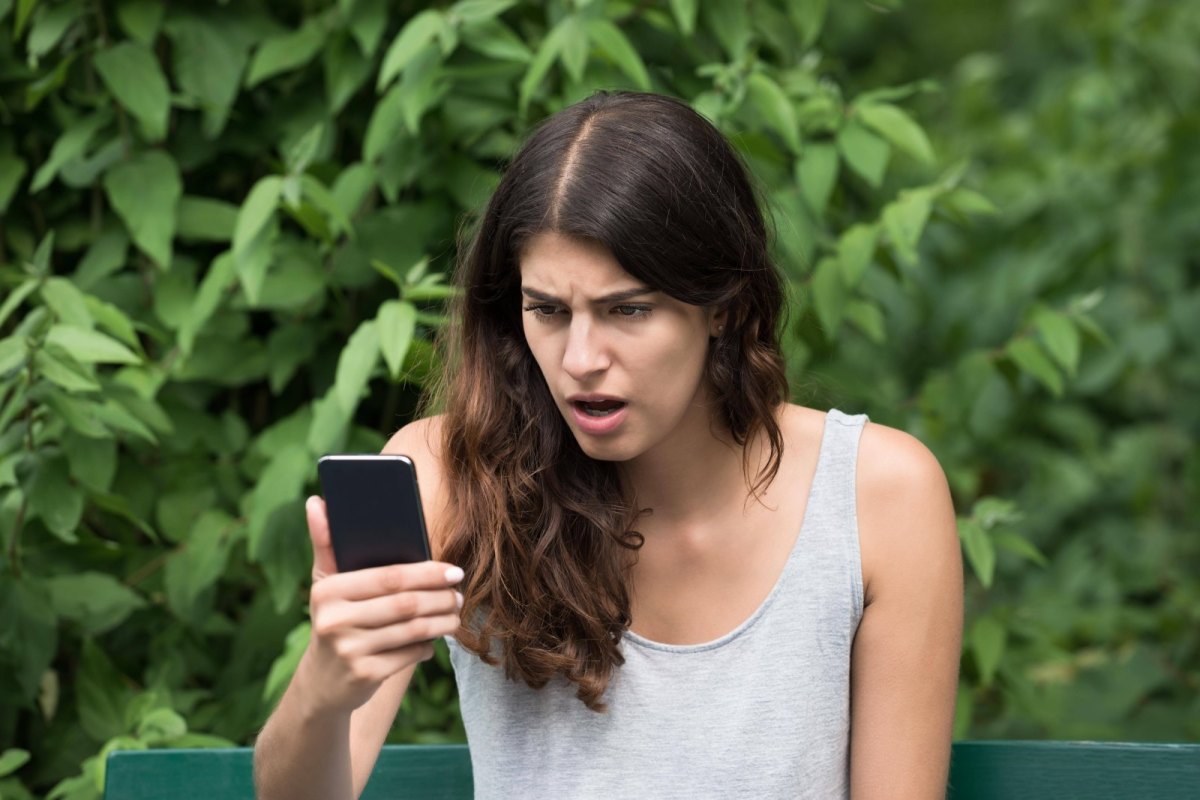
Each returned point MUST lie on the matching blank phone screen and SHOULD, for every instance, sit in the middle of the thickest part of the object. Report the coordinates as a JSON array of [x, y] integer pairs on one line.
[[374, 510]]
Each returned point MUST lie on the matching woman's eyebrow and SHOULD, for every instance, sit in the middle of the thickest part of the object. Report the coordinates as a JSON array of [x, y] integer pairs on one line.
[[614, 297]]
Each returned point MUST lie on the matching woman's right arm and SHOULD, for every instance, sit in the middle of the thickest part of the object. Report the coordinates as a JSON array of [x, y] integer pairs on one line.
[[370, 628]]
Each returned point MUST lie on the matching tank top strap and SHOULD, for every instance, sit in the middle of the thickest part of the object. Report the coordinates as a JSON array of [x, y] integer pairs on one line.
[[830, 528]]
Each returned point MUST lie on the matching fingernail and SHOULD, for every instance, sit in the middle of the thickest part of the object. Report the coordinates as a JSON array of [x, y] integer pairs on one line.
[[458, 599], [454, 575]]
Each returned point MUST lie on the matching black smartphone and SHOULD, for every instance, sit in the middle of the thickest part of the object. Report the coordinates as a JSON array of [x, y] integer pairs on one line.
[[374, 510]]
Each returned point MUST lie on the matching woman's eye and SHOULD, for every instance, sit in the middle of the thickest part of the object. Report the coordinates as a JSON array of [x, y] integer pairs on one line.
[[542, 312], [632, 312]]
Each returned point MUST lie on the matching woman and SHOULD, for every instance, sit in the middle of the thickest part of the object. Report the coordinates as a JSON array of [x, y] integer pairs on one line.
[[676, 583]]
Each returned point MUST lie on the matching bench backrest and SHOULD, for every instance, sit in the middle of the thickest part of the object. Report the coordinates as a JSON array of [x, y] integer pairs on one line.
[[978, 771]]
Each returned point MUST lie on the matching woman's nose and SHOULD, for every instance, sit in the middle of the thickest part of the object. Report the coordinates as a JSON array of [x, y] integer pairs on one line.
[[585, 353]]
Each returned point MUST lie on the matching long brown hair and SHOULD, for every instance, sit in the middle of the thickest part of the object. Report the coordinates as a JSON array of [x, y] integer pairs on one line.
[[545, 533]]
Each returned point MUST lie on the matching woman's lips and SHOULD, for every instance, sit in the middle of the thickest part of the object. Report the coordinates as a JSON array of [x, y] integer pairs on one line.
[[597, 425]]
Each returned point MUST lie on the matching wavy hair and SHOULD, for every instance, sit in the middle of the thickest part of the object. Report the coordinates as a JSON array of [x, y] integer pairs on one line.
[[545, 533]]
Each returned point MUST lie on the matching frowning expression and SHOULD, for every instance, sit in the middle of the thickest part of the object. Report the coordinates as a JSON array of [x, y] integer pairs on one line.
[[624, 363]]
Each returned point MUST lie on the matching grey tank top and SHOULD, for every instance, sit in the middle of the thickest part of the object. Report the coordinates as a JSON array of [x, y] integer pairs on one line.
[[761, 712]]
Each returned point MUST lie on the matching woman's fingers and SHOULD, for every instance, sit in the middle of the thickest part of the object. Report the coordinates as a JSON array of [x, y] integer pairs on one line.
[[318, 531], [364, 584], [378, 612], [376, 641]]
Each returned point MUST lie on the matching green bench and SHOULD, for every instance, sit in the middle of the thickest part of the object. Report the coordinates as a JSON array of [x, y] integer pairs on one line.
[[978, 770]]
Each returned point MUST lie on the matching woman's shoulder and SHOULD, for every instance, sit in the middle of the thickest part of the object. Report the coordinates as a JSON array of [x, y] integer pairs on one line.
[[906, 516], [421, 441]]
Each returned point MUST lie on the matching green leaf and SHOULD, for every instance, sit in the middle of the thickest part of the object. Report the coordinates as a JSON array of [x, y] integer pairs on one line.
[[323, 200], [281, 482], [193, 570], [12, 760], [92, 462], [113, 320], [898, 128], [1015, 543], [981, 554], [419, 31], [145, 193], [97, 601], [17, 297], [969, 202], [72, 144], [1060, 337], [78, 414], [904, 221], [55, 500], [216, 282], [29, 629], [397, 320], [469, 11], [102, 694], [775, 107], [209, 65], [575, 45], [328, 428], [285, 664], [613, 43], [496, 40], [60, 369], [108, 253], [988, 637], [864, 152], [140, 19], [355, 365], [543, 59], [24, 9], [89, 346], [816, 172], [855, 249], [49, 28], [809, 17], [12, 169], [352, 186], [286, 52], [302, 152], [12, 353], [206, 219], [131, 73], [67, 302], [253, 234], [367, 21], [1033, 361], [161, 726], [685, 15], [829, 296], [868, 318]]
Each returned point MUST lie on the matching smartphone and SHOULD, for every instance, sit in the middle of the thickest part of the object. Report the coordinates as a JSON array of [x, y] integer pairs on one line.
[[374, 510]]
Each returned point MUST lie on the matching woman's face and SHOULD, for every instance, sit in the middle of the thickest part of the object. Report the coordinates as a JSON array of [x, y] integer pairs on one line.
[[624, 363]]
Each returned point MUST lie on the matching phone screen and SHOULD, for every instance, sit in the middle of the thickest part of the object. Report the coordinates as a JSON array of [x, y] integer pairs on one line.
[[374, 510]]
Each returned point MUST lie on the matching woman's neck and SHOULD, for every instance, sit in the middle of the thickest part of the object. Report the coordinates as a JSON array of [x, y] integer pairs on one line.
[[693, 474]]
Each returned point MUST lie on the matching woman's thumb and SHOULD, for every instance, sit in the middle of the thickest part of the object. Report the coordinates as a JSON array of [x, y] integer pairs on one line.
[[318, 530]]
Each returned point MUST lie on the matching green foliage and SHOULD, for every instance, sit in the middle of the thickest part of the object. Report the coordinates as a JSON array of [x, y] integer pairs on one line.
[[223, 253]]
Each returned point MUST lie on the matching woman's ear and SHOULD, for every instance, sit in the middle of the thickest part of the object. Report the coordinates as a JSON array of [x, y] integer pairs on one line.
[[716, 322]]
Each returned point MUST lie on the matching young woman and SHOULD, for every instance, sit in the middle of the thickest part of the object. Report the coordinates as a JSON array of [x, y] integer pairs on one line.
[[661, 579]]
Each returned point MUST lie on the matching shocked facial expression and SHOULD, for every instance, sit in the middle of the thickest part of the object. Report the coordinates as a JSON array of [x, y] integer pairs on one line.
[[624, 363]]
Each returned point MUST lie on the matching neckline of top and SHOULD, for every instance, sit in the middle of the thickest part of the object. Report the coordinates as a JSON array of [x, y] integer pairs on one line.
[[748, 623]]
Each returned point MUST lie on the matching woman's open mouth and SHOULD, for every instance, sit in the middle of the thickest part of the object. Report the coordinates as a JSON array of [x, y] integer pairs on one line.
[[597, 415], [599, 408]]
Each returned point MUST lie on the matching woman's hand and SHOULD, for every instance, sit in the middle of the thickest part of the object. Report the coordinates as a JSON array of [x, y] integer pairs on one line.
[[369, 624]]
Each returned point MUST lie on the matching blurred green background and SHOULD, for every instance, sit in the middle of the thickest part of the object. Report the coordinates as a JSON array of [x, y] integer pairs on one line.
[[225, 231]]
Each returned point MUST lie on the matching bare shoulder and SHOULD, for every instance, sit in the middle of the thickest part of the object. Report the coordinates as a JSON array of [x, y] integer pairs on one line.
[[905, 513], [421, 441]]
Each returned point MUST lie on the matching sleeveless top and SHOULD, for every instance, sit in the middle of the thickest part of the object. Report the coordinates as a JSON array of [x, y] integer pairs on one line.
[[761, 712]]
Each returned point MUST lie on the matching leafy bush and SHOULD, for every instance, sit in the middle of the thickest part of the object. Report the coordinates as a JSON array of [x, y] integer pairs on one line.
[[224, 240]]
